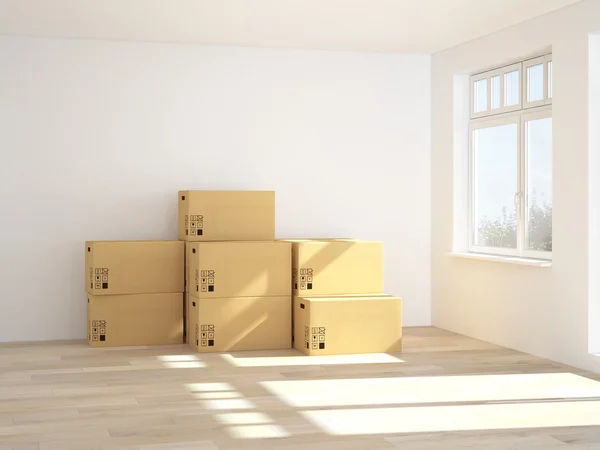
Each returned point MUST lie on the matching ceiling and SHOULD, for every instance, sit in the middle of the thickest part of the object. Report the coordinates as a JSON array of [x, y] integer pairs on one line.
[[406, 26]]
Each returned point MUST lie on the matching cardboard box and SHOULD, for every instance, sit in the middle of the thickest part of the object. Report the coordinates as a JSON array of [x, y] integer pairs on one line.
[[134, 267], [336, 267], [240, 269], [238, 324], [348, 325], [137, 319], [296, 299], [226, 215]]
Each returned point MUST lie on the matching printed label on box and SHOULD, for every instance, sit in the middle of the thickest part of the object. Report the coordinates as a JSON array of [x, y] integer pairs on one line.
[[194, 225], [207, 336], [314, 338], [99, 278], [99, 330], [306, 279]]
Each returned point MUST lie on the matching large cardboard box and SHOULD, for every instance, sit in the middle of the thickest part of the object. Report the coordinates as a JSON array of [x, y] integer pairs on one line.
[[137, 319], [296, 299], [348, 325], [241, 323], [336, 267], [240, 269], [134, 267], [226, 215]]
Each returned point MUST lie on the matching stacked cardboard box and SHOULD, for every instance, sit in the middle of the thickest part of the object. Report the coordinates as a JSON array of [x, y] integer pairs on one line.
[[238, 278], [134, 292], [338, 302]]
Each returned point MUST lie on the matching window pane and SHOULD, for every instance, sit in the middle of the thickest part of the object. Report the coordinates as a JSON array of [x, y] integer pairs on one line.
[[539, 185], [535, 83], [480, 96], [495, 92], [511, 88], [550, 79], [495, 184]]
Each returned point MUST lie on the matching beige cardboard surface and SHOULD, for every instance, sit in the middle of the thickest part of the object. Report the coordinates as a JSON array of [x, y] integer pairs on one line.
[[134, 267], [242, 323], [336, 266], [137, 319], [240, 269], [226, 215], [348, 325], [295, 300]]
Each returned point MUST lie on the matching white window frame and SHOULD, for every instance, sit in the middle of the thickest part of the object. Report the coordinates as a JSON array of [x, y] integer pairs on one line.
[[521, 187], [490, 122], [538, 114], [546, 99], [501, 72], [518, 115]]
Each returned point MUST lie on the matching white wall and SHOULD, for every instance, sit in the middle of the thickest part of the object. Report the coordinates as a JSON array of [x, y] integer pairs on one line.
[[96, 138], [540, 311]]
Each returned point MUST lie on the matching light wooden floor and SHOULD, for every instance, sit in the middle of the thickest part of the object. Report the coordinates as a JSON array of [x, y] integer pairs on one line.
[[443, 392]]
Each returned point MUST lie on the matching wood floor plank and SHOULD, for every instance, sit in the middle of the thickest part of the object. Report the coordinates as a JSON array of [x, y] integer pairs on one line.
[[67, 396]]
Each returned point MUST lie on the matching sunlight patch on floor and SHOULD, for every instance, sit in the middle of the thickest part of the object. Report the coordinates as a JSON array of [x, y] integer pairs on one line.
[[257, 432], [438, 389], [303, 360], [455, 418]]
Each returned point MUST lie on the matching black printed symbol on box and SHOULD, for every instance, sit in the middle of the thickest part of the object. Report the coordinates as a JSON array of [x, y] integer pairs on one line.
[[104, 278], [211, 342], [192, 217], [98, 277], [321, 330], [204, 327], [94, 338], [211, 288], [186, 224], [315, 346], [211, 281], [309, 272], [309, 286], [94, 330], [98, 286], [104, 285], [205, 273], [302, 285], [322, 337], [102, 323], [309, 279], [204, 289], [193, 225], [204, 343], [204, 281], [200, 232], [99, 271], [102, 330], [211, 328], [315, 330], [210, 273], [95, 323], [102, 337], [315, 337], [193, 232], [303, 278], [200, 218], [302, 271], [186, 217], [321, 345], [211, 335], [105, 271], [204, 335]]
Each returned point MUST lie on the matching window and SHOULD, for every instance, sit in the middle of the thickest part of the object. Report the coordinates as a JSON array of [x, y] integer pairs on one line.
[[511, 160]]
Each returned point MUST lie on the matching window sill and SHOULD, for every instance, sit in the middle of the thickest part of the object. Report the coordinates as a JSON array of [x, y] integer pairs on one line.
[[504, 259]]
